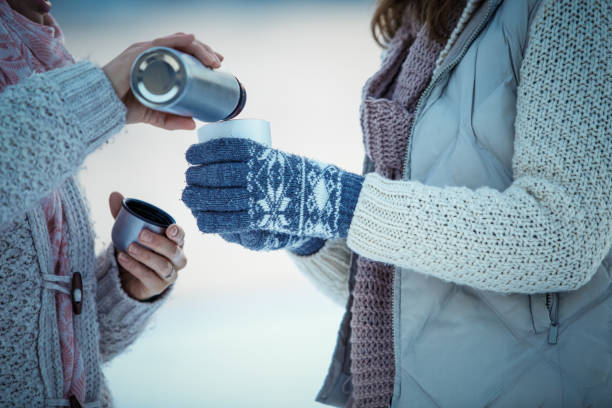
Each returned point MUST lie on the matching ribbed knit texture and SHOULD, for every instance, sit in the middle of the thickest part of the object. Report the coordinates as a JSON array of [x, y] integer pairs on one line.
[[390, 97], [372, 354], [121, 318], [387, 111], [45, 50], [327, 269], [550, 230], [72, 363], [49, 123]]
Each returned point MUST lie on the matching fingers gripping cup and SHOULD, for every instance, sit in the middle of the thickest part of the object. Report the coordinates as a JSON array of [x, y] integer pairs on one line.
[[134, 216], [257, 130]]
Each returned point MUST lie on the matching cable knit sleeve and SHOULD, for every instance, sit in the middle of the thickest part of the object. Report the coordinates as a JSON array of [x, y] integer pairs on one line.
[[552, 227], [49, 123], [328, 269], [121, 319]]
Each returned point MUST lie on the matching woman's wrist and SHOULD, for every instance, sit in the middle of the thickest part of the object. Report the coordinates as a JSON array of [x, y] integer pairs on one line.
[[120, 87], [89, 97], [307, 247]]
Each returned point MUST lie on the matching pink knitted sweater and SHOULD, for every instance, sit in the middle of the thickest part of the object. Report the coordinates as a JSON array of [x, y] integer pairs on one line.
[[31, 47], [389, 101]]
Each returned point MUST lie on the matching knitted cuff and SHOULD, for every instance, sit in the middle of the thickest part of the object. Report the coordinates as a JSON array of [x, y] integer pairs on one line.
[[328, 269], [91, 98], [351, 187], [372, 233], [308, 246], [115, 304]]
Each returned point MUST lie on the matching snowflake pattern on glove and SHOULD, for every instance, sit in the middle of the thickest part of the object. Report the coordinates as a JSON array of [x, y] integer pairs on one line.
[[237, 186], [293, 195]]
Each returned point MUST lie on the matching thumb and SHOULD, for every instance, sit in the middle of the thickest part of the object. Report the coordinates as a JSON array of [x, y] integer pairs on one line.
[[168, 121], [114, 203]]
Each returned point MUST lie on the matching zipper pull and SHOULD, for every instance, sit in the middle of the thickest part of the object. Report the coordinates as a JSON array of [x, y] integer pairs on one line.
[[552, 304], [553, 332]]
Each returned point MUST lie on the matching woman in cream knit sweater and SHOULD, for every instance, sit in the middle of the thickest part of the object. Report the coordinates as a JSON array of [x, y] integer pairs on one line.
[[474, 253]]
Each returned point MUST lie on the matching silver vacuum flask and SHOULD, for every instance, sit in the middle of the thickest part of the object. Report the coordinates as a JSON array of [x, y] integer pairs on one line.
[[171, 81]]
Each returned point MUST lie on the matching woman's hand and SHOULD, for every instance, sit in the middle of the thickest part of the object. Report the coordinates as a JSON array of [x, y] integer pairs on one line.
[[236, 185], [118, 72], [146, 273]]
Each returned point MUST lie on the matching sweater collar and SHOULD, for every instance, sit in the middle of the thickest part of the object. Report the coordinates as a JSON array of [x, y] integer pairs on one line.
[[39, 46]]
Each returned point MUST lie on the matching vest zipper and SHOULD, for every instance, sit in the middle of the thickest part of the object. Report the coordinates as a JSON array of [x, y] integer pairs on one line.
[[406, 172], [434, 81], [552, 305]]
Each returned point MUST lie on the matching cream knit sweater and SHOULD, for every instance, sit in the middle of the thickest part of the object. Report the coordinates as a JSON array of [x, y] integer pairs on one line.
[[550, 230]]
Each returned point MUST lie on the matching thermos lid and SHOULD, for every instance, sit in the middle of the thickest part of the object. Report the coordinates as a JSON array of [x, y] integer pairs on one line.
[[158, 75]]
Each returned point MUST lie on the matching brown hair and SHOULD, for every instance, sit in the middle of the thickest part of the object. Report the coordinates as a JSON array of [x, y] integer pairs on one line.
[[389, 15]]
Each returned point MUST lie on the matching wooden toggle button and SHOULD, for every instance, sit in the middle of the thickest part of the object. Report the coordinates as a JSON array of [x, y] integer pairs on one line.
[[77, 293]]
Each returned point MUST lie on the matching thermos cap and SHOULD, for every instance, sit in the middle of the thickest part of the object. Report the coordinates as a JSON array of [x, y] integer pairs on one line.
[[134, 216]]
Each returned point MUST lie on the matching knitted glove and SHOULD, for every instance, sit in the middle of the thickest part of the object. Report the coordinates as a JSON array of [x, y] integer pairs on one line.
[[238, 185], [269, 241]]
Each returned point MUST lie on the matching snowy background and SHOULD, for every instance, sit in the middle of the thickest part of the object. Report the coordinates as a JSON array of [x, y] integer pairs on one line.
[[241, 328]]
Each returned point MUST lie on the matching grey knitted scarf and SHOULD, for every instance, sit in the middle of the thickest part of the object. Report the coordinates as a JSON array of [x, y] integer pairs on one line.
[[387, 109]]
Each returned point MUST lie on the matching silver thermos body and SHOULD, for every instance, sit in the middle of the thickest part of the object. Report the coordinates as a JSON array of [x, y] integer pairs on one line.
[[171, 81]]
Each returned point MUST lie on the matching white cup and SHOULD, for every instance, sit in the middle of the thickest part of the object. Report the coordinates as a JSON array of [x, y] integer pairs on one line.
[[257, 130]]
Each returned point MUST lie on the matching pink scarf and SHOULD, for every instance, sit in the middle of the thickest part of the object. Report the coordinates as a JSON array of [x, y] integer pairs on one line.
[[27, 47]]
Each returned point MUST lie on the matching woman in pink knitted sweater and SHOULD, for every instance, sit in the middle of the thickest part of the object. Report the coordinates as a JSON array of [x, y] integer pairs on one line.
[[54, 113]]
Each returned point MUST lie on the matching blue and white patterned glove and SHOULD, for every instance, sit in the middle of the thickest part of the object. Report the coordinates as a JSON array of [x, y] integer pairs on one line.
[[270, 241], [237, 185]]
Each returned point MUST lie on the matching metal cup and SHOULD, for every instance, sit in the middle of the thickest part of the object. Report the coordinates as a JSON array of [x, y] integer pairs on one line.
[[257, 130], [134, 216]]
